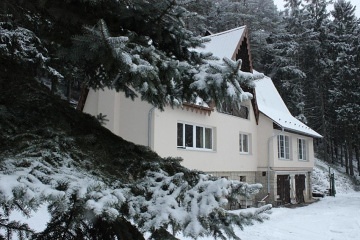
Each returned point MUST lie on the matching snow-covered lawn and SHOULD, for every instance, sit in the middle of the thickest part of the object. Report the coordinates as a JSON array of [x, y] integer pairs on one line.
[[331, 218]]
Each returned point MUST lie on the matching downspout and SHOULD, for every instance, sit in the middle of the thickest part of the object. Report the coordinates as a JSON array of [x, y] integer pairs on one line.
[[268, 165], [149, 125]]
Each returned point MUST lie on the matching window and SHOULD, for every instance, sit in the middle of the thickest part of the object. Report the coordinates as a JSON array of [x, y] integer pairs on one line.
[[231, 109], [302, 149], [244, 143], [242, 178], [283, 147], [192, 136]]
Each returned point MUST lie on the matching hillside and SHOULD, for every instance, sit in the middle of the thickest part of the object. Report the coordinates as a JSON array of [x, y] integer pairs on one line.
[[343, 182], [53, 148]]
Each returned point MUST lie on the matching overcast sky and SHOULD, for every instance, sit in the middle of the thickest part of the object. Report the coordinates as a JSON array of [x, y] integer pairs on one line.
[[280, 5]]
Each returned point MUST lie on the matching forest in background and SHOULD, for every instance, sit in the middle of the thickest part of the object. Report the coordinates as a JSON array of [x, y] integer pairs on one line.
[[313, 57]]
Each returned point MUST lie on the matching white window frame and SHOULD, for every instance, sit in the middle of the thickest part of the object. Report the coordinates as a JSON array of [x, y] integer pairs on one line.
[[203, 139], [284, 147], [302, 149], [241, 143]]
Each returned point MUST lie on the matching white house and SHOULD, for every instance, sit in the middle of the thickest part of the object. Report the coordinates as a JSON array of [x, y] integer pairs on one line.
[[261, 143]]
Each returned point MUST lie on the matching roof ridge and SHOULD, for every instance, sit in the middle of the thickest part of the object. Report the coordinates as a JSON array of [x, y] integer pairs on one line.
[[225, 32]]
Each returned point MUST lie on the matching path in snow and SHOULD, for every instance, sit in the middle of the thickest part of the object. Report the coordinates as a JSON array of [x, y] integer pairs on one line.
[[332, 218]]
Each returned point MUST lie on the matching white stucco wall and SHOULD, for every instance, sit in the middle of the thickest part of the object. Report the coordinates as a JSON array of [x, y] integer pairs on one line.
[[294, 162], [126, 118], [131, 123], [265, 132], [224, 157], [130, 120], [105, 102]]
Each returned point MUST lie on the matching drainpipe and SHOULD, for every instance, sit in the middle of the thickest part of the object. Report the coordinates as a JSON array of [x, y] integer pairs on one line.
[[268, 165], [149, 125]]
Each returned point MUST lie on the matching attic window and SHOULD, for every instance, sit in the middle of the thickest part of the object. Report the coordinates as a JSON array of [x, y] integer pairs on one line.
[[231, 109]]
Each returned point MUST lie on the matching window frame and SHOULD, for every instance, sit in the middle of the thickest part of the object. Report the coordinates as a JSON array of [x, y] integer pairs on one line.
[[204, 143], [241, 145], [303, 150], [284, 150]]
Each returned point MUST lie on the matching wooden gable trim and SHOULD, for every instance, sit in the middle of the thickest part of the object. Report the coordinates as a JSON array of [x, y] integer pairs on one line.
[[255, 106], [197, 109], [254, 103], [244, 39]]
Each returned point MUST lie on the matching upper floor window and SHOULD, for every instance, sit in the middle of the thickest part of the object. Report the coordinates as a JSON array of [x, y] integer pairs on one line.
[[194, 136], [231, 109], [283, 147], [244, 143], [302, 152]]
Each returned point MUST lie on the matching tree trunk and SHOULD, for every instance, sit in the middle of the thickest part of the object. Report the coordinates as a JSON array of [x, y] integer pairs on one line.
[[351, 166], [346, 158], [341, 155], [357, 158], [332, 150], [336, 151], [323, 126]]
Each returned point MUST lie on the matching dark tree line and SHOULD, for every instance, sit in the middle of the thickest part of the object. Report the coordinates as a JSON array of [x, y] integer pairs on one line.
[[316, 62], [311, 54]]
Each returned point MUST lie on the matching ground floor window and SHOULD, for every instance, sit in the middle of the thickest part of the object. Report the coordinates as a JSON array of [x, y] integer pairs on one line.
[[194, 136], [283, 147]]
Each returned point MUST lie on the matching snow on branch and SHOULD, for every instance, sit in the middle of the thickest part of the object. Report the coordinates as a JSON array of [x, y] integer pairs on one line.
[[191, 207], [224, 81]]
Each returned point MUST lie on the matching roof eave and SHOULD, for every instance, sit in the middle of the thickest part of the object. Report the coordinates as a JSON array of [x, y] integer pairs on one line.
[[293, 130]]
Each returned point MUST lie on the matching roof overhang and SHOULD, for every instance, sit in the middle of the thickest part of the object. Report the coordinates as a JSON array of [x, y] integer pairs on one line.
[[291, 130], [197, 108]]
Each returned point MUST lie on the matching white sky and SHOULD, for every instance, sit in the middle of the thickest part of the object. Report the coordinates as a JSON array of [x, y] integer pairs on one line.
[[280, 5]]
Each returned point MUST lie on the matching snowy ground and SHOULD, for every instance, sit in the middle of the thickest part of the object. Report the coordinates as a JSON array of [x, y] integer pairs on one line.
[[331, 218]]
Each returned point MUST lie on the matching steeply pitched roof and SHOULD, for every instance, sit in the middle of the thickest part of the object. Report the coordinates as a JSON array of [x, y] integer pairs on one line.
[[225, 44], [267, 98], [271, 104]]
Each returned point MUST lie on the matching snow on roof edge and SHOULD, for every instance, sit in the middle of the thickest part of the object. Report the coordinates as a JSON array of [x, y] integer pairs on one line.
[[224, 44], [295, 131], [225, 32], [271, 105]]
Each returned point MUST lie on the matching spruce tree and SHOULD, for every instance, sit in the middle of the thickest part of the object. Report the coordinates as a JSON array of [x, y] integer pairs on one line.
[[345, 89]]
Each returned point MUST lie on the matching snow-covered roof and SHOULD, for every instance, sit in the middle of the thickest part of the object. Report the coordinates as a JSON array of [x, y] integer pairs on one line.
[[224, 44], [268, 99], [271, 104]]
